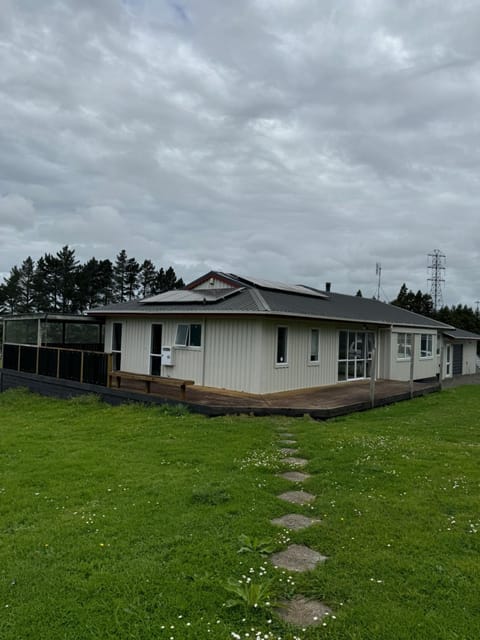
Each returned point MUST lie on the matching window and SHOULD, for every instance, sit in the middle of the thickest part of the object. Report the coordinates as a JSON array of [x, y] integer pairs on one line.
[[117, 346], [314, 345], [188, 335], [282, 334], [426, 345], [355, 350], [404, 346]]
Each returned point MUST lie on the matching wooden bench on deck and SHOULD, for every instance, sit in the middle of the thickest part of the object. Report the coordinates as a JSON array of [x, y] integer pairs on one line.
[[178, 383]]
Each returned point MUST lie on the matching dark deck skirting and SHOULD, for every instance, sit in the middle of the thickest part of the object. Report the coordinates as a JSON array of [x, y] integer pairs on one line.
[[320, 403]]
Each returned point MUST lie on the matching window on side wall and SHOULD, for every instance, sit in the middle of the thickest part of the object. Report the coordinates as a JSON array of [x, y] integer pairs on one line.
[[282, 337], [314, 345], [426, 345], [404, 346], [188, 335]]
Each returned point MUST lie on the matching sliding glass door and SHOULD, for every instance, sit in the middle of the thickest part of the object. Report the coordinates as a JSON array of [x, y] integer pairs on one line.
[[355, 354]]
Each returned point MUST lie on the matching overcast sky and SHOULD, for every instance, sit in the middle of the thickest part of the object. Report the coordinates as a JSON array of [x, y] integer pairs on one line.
[[294, 140]]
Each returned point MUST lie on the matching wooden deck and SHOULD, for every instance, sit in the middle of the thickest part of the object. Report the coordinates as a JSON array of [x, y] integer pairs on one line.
[[319, 402]]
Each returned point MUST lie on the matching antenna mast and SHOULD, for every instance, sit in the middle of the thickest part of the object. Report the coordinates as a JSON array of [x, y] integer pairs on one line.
[[436, 266], [379, 274]]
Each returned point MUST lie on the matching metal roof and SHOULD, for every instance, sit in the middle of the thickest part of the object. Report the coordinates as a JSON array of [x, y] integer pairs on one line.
[[461, 334], [269, 300]]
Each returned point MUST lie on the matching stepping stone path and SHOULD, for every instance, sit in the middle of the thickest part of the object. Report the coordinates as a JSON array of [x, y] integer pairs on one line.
[[294, 521], [297, 557], [299, 611], [295, 476], [295, 462], [297, 497], [288, 451], [302, 612]]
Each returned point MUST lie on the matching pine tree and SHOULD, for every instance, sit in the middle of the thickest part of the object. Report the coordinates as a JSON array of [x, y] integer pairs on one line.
[[147, 279], [66, 266], [10, 291], [26, 299], [119, 277], [132, 271]]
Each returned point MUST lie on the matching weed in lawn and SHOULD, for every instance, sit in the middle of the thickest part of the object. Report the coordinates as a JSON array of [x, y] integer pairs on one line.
[[210, 495], [249, 594], [262, 546]]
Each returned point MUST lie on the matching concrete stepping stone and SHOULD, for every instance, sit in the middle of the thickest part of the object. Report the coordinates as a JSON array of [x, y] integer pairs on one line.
[[297, 557], [302, 611], [287, 442], [294, 521], [297, 497], [295, 462], [284, 434], [295, 476], [288, 451]]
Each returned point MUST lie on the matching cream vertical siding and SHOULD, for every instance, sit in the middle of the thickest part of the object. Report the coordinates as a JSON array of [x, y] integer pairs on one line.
[[232, 353], [239, 353], [423, 367], [136, 344], [469, 357], [384, 350], [298, 372]]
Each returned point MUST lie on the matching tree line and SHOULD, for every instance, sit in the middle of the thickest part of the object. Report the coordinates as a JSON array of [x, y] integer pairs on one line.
[[460, 316], [59, 283]]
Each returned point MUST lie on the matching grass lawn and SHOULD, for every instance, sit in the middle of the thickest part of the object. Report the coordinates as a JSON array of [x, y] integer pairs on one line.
[[124, 522]]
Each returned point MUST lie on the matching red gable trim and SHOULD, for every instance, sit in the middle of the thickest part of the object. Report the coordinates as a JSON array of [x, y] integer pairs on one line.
[[213, 274]]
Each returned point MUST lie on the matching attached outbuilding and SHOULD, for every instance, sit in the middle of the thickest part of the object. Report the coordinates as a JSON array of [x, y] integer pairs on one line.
[[460, 353]]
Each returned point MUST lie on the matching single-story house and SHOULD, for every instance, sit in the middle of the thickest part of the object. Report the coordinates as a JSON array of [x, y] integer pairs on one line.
[[245, 334]]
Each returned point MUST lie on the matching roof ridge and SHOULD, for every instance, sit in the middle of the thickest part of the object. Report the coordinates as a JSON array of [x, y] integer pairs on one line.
[[260, 300]]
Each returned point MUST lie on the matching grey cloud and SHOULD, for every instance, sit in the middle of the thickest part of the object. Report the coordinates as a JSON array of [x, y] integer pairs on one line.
[[294, 140]]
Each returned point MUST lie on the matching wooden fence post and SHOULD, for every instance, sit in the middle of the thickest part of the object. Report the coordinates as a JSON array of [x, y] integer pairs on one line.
[[373, 375], [412, 364], [109, 368]]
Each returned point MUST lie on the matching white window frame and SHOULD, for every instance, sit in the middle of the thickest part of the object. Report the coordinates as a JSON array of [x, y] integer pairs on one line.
[[426, 346], [278, 362], [404, 346], [314, 357], [186, 344]]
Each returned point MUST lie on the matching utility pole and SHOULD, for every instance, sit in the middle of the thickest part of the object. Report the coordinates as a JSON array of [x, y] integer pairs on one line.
[[436, 266]]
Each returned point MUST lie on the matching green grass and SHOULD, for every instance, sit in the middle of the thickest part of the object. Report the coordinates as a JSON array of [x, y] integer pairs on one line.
[[126, 522]]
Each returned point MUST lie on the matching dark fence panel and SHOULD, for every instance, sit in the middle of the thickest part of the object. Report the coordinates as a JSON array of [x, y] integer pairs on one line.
[[70, 365], [28, 359], [90, 367], [48, 362], [95, 368], [10, 356]]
